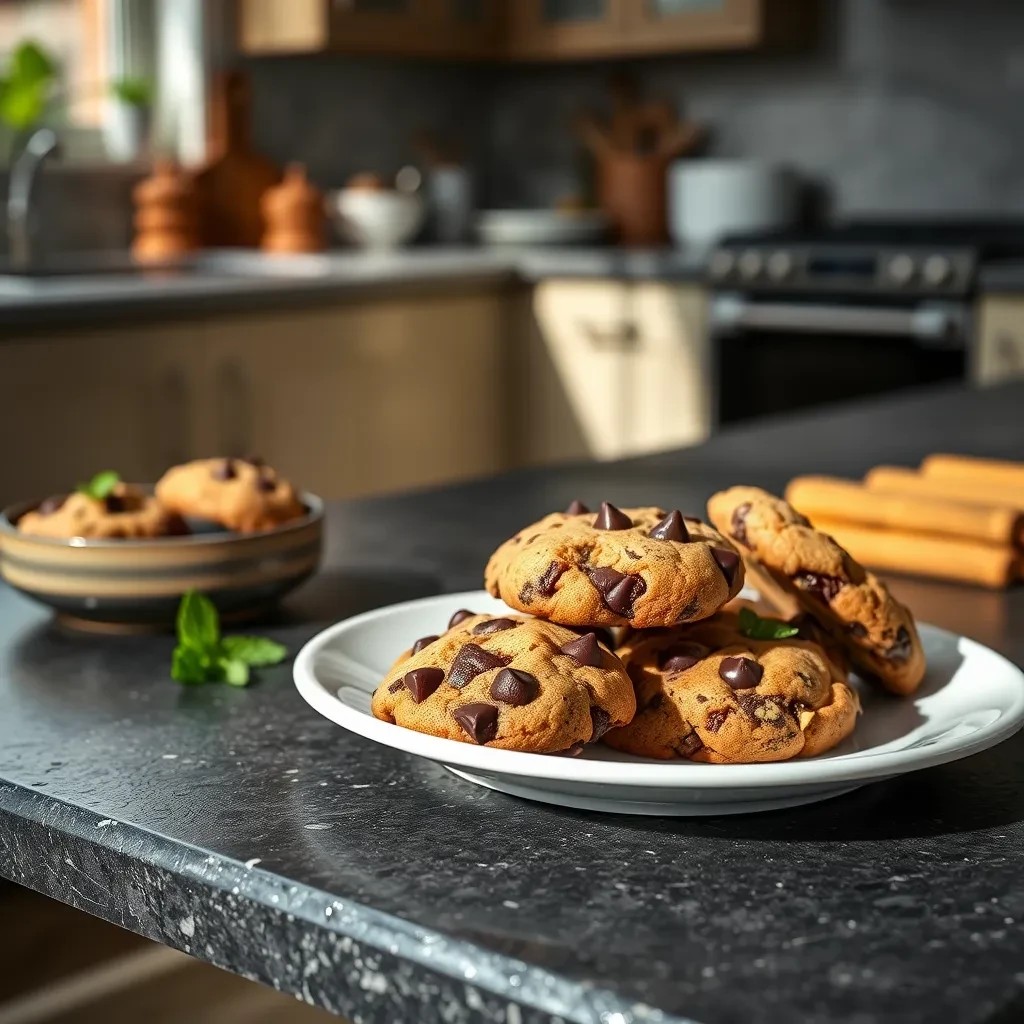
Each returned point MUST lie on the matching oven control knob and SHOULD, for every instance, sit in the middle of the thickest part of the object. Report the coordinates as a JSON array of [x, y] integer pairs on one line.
[[937, 270], [722, 264], [780, 265], [751, 264], [901, 269]]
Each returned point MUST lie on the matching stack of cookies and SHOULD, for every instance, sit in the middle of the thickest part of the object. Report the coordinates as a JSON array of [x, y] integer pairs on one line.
[[630, 633]]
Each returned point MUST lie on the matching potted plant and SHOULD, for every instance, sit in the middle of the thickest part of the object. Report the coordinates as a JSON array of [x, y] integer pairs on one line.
[[26, 88], [126, 127]]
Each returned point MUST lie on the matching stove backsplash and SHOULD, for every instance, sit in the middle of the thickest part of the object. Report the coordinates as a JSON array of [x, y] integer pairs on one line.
[[906, 106]]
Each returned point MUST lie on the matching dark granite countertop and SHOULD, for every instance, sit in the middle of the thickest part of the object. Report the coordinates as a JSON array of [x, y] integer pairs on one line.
[[1002, 276], [229, 280], [241, 827]]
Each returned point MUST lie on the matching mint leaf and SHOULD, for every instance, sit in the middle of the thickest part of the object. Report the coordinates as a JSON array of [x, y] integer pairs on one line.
[[187, 666], [101, 485], [254, 650], [198, 625], [233, 671], [753, 626]]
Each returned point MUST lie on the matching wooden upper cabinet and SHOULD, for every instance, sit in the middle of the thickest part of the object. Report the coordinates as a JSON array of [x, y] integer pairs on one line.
[[521, 29]]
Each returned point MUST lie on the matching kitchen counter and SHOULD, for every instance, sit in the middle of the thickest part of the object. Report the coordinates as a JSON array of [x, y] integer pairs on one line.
[[229, 280], [241, 827], [1002, 276]]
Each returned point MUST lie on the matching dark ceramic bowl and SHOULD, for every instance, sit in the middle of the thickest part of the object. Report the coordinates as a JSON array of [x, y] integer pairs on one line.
[[131, 584]]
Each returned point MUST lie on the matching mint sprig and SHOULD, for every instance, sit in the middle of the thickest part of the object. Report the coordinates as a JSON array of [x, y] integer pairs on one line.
[[204, 656], [101, 486], [753, 626]]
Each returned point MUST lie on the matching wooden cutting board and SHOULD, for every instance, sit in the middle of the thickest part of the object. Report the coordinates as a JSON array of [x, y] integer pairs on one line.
[[231, 185]]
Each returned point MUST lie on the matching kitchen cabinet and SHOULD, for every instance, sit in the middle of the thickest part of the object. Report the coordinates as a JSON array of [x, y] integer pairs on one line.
[[521, 29], [345, 399], [418, 28], [998, 351], [630, 363]]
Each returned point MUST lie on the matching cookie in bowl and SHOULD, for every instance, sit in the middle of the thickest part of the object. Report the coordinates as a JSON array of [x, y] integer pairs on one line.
[[509, 682], [244, 495], [125, 512], [708, 692], [639, 567]]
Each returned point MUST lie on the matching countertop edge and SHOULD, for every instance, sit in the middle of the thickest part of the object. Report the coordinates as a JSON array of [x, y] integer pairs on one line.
[[384, 964]]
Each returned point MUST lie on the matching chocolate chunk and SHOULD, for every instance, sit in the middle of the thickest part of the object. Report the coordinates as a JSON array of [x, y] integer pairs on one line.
[[701, 699], [460, 616], [424, 641], [479, 720], [618, 590], [470, 662], [728, 562], [494, 626], [764, 710], [901, 648], [603, 635], [688, 745], [818, 584], [576, 508], [857, 630], [679, 657], [115, 503], [738, 525], [513, 686], [52, 504], [396, 686], [671, 527], [224, 470], [714, 720], [611, 518], [584, 651], [601, 721], [266, 483], [633, 554], [422, 682], [741, 673], [552, 574]]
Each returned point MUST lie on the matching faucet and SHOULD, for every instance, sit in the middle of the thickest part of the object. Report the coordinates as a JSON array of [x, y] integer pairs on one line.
[[24, 171]]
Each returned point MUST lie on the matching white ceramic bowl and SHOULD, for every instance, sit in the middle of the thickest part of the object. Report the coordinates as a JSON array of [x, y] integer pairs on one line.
[[541, 227], [375, 220]]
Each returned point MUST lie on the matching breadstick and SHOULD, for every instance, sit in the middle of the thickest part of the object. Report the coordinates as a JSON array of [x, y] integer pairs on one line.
[[966, 468], [986, 565], [831, 498], [909, 481]]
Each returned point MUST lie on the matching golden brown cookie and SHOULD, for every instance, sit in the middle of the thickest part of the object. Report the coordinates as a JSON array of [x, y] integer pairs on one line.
[[241, 494], [708, 693], [127, 512], [510, 682], [641, 567], [853, 605]]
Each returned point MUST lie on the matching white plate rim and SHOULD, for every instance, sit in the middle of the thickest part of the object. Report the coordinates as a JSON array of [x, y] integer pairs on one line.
[[861, 766]]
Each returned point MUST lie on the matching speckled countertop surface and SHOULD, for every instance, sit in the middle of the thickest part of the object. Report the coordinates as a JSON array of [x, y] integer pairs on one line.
[[230, 280], [243, 828]]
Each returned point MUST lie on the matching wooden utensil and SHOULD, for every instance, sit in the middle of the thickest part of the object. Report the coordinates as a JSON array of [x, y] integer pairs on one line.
[[909, 481], [232, 184], [970, 470]]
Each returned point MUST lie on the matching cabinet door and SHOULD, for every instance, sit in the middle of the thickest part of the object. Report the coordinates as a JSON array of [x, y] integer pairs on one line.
[[999, 348], [366, 397], [467, 28], [693, 24], [269, 26], [82, 401], [565, 28]]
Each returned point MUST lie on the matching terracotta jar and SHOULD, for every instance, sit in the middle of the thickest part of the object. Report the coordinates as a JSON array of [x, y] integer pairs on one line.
[[631, 190]]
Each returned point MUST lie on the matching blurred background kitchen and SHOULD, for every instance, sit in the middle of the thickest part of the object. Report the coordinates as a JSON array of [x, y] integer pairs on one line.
[[388, 243]]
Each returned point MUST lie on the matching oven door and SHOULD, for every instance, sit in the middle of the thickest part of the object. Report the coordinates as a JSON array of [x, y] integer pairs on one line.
[[774, 356]]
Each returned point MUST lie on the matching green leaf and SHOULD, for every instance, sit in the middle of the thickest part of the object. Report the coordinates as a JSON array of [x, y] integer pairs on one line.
[[198, 624], [101, 485], [22, 104], [187, 665], [753, 626], [136, 92], [233, 671], [30, 63], [254, 650]]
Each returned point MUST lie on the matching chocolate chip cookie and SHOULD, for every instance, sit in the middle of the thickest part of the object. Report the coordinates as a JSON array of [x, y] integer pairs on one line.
[[241, 494], [126, 513], [641, 567], [510, 682], [853, 605], [706, 692]]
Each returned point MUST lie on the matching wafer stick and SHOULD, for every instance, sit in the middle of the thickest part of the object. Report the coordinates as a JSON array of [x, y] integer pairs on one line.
[[986, 472], [909, 481], [986, 565], [847, 500]]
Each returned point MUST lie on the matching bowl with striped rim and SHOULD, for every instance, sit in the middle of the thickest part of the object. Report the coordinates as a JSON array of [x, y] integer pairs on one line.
[[128, 585]]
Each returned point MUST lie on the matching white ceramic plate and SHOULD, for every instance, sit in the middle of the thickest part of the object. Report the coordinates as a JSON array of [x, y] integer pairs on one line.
[[971, 699]]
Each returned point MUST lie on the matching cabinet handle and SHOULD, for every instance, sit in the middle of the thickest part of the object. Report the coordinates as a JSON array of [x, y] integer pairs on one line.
[[622, 337], [233, 411]]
